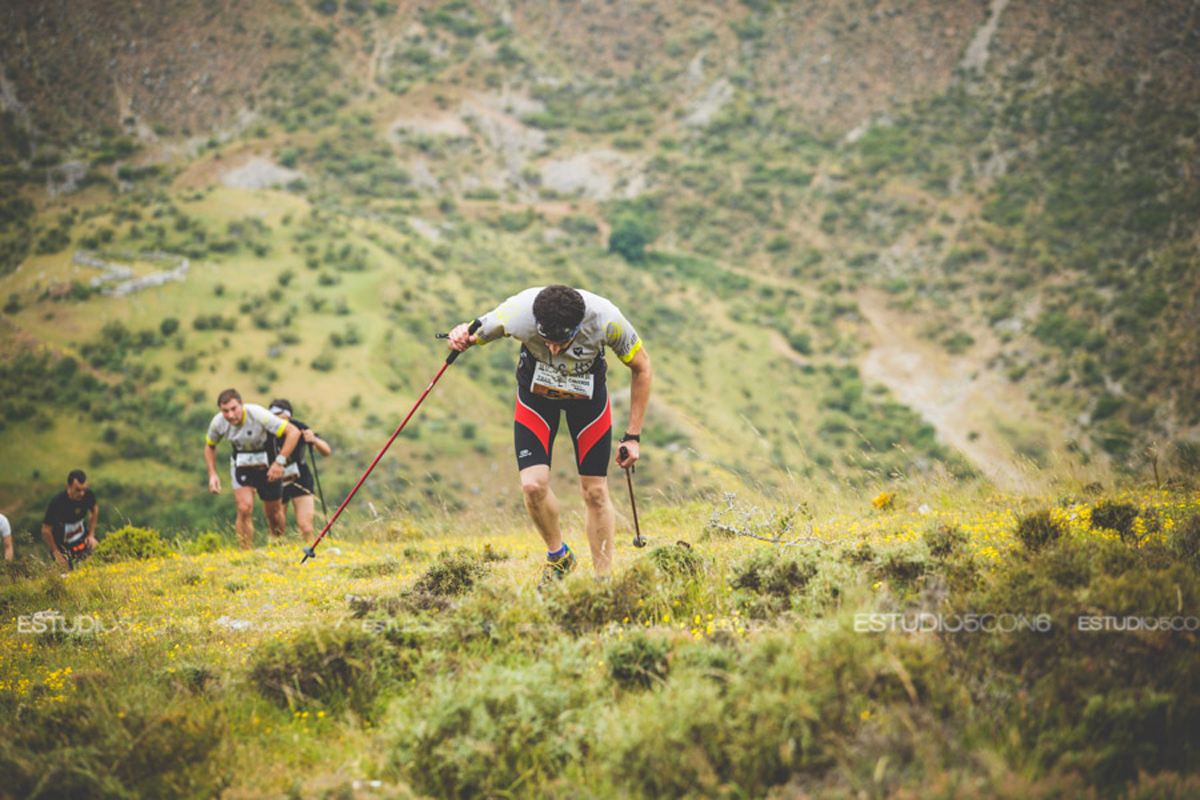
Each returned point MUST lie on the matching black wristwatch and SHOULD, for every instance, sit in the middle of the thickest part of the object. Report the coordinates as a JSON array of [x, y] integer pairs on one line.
[[631, 437]]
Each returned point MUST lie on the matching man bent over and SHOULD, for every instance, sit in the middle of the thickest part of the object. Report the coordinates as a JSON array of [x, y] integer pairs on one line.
[[250, 428]]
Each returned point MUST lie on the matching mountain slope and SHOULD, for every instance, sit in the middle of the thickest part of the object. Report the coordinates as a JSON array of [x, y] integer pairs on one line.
[[741, 178]]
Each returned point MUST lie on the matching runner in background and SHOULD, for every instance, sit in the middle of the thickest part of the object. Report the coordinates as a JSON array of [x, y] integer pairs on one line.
[[251, 429], [297, 476], [69, 526], [6, 535]]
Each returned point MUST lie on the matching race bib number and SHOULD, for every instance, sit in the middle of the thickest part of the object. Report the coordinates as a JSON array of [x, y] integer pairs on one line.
[[550, 382], [73, 531], [291, 472], [256, 459]]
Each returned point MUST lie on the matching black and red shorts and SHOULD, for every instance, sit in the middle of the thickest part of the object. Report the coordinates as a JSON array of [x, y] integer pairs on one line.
[[535, 423]]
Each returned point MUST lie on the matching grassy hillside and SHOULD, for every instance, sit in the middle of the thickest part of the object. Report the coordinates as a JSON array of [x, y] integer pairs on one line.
[[345, 179], [419, 660]]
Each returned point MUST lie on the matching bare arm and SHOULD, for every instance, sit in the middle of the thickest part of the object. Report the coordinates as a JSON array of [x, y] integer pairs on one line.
[[210, 458], [639, 399], [48, 535], [8, 548], [95, 515], [319, 444]]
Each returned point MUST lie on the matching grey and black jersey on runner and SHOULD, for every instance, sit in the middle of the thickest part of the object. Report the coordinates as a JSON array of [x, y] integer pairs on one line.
[[250, 436], [603, 325]]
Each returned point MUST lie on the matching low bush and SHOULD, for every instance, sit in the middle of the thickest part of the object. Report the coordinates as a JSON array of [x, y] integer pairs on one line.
[[376, 569], [770, 574], [452, 575], [84, 748], [337, 668], [943, 540], [1116, 516], [585, 603], [677, 559], [130, 544], [207, 542], [1185, 540], [1104, 689], [1038, 529], [638, 661], [492, 731]]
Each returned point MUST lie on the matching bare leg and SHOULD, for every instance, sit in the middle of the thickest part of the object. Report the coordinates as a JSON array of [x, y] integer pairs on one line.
[[244, 496], [304, 516], [601, 523], [541, 504], [276, 520]]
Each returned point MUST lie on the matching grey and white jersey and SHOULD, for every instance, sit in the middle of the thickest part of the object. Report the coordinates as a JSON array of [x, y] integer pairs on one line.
[[251, 434], [603, 325], [5, 528]]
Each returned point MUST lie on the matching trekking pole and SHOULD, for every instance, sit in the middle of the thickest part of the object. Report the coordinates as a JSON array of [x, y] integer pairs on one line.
[[312, 456], [310, 552], [638, 541]]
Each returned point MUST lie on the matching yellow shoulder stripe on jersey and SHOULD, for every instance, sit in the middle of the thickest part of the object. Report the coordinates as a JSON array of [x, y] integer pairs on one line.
[[211, 443], [625, 359], [500, 334], [282, 428]]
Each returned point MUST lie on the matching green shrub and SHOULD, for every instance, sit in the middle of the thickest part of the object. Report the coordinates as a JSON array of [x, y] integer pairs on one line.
[[943, 540], [1185, 539], [628, 240], [131, 544], [207, 542], [768, 573], [637, 661], [1106, 702], [1116, 516], [339, 668], [1037, 529], [785, 715], [83, 748], [901, 566], [677, 559], [584, 603], [498, 730], [377, 569], [191, 677], [451, 576]]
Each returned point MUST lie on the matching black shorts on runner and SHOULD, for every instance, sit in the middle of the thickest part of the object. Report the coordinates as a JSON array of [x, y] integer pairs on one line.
[[535, 423], [257, 477], [301, 487]]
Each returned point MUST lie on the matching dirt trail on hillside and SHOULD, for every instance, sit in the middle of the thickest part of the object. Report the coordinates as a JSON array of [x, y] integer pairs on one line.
[[955, 394]]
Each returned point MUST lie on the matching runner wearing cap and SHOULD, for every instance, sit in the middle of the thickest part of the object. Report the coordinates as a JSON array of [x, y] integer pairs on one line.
[[251, 429], [563, 334], [297, 477]]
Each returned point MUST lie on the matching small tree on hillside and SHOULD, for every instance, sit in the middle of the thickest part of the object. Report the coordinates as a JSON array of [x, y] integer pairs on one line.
[[628, 240]]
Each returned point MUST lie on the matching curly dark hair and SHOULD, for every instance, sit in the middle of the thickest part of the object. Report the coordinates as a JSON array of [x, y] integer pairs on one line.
[[558, 310]]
